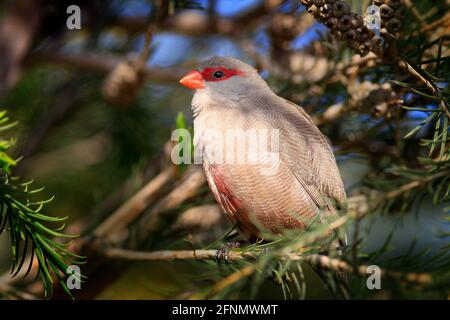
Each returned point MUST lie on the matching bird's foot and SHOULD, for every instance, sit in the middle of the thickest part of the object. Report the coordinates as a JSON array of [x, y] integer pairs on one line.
[[224, 250]]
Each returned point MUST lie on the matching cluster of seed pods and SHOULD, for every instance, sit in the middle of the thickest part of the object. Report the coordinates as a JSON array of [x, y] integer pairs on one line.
[[390, 12], [349, 26]]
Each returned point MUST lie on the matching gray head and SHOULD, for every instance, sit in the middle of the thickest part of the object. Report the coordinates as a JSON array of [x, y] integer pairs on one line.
[[229, 63], [224, 76]]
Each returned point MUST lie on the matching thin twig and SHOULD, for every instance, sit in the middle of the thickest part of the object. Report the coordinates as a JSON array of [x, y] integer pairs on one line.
[[414, 184], [321, 260]]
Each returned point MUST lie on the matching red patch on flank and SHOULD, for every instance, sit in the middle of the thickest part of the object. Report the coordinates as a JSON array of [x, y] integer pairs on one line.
[[208, 73], [232, 205]]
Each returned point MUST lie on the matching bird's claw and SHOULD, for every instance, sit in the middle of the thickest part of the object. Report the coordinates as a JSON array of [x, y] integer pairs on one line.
[[223, 252]]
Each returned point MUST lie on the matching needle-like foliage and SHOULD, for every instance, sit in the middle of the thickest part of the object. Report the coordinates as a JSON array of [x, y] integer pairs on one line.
[[31, 232]]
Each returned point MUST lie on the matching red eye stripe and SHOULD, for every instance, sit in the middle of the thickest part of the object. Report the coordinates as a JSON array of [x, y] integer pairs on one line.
[[208, 73]]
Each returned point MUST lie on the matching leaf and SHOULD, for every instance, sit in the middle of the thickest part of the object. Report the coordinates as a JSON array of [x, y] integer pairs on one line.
[[420, 126]]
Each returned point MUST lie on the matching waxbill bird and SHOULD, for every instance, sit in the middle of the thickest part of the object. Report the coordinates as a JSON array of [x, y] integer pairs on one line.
[[305, 186]]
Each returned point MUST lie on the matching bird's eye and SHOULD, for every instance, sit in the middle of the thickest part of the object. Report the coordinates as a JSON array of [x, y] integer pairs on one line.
[[218, 74]]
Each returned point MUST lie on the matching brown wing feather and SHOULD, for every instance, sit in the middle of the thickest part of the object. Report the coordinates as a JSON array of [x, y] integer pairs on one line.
[[306, 152]]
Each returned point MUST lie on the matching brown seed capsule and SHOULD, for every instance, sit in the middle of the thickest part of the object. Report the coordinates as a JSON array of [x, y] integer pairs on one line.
[[385, 11], [319, 3], [313, 10], [344, 23], [362, 34], [364, 48], [325, 11], [332, 23], [336, 33], [121, 86], [350, 35], [353, 44], [340, 8], [393, 25], [377, 41], [378, 2], [380, 109], [306, 2], [283, 27], [356, 20]]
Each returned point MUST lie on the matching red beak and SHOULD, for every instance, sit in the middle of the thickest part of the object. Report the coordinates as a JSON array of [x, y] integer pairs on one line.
[[193, 80]]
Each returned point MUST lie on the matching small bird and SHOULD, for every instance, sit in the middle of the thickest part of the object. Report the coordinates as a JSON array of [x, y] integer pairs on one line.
[[230, 96]]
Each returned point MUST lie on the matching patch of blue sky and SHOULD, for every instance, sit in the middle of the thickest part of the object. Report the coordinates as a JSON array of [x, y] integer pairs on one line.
[[417, 115], [261, 41], [310, 35], [167, 49], [264, 73], [170, 48], [288, 6], [232, 7], [220, 46], [132, 7], [442, 85]]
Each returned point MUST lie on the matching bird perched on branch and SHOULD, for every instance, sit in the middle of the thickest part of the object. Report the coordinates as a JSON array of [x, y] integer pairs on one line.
[[267, 164]]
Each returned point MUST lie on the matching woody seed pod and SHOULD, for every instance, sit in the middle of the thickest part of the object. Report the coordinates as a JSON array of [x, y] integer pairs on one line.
[[122, 84], [378, 2], [340, 8], [365, 48], [306, 2], [385, 11], [332, 23], [379, 110], [336, 32], [377, 41], [319, 3], [350, 35], [353, 44], [325, 11], [393, 25], [362, 34], [344, 23], [283, 27], [313, 10], [356, 20]]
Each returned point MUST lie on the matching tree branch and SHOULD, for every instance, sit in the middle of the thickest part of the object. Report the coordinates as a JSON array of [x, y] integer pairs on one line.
[[196, 23], [321, 260], [194, 179], [17, 29], [103, 63]]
